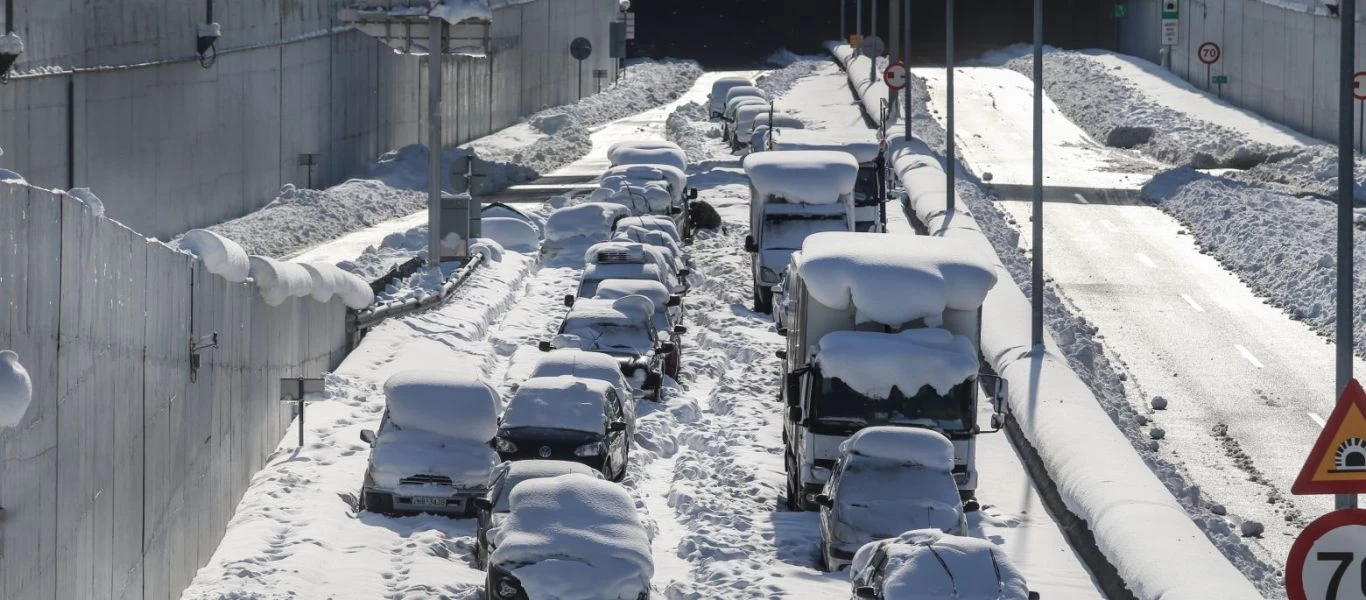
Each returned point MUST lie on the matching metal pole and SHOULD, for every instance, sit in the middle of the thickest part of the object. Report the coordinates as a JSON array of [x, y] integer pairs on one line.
[[844, 29], [1037, 278], [436, 39], [581, 80], [9, 15], [906, 58], [873, 32], [950, 167], [1346, 165], [858, 18]]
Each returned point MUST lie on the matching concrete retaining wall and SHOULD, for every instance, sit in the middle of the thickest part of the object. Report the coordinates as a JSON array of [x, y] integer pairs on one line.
[[1281, 63], [170, 146], [124, 472]]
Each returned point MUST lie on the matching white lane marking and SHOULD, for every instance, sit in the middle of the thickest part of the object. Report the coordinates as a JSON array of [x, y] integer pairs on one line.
[[1318, 419], [1110, 227], [1191, 301], [1248, 355], [1147, 262], [1080, 198]]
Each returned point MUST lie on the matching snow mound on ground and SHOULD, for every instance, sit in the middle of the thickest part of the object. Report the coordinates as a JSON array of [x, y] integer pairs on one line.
[[443, 402], [930, 565], [513, 234], [16, 389], [221, 256], [873, 363], [903, 445], [88, 198], [592, 220], [558, 402], [917, 278], [579, 539], [808, 177], [279, 281], [794, 67]]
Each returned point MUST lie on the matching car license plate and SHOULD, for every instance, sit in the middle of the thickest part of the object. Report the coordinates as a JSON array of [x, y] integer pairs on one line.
[[424, 501]]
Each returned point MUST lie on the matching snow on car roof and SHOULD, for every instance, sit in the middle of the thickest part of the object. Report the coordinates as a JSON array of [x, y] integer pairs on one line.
[[620, 288], [735, 103], [536, 469], [580, 363], [651, 223], [666, 172], [617, 252], [574, 537], [864, 150], [872, 363], [717, 99], [778, 119], [654, 144], [912, 446], [807, 177], [929, 565], [918, 277], [563, 402], [444, 402], [401, 453], [630, 155], [649, 198], [629, 310], [742, 91], [590, 219]]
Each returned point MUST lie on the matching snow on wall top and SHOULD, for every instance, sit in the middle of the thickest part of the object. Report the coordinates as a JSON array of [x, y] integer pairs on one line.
[[864, 150], [563, 402], [221, 256], [16, 389], [971, 568], [648, 156], [443, 402], [805, 177], [579, 539], [873, 363], [918, 277], [278, 280], [911, 446]]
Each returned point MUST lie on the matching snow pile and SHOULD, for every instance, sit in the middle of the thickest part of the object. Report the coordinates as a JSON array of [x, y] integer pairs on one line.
[[513, 234], [802, 177], [221, 256], [564, 402], [795, 67], [279, 281], [88, 198], [918, 278], [930, 565], [443, 402], [11, 43], [672, 156], [903, 445], [574, 537], [16, 389], [689, 127], [873, 363], [591, 220]]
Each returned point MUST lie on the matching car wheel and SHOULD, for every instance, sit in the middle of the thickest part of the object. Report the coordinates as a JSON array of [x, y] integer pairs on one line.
[[824, 560], [763, 299], [793, 499]]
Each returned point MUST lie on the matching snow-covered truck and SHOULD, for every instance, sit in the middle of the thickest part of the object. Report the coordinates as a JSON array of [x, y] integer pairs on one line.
[[793, 195], [881, 331], [870, 189]]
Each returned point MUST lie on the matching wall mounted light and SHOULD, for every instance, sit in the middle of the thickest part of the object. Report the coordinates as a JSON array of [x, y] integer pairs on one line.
[[207, 34], [11, 45]]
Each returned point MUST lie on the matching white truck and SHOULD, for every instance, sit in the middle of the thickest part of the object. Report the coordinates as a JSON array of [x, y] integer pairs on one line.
[[881, 330], [870, 189], [793, 195]]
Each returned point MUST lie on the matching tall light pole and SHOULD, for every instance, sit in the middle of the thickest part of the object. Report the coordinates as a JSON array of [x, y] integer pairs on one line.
[[1037, 276], [1346, 176], [906, 58], [873, 32], [844, 30], [949, 166], [436, 49], [858, 18]]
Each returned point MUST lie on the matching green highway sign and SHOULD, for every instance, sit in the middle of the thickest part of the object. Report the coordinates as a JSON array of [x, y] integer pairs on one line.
[[1121, 11], [1219, 79], [1171, 9]]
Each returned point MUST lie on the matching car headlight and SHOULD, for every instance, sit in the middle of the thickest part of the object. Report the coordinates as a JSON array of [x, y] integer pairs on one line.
[[768, 275], [593, 449], [506, 585], [503, 445]]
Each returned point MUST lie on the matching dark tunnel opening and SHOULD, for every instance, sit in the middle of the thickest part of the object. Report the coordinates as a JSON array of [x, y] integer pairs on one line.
[[743, 33]]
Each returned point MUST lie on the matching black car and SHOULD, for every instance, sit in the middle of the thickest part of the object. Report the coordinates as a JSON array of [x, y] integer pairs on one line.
[[623, 328], [493, 508], [566, 418]]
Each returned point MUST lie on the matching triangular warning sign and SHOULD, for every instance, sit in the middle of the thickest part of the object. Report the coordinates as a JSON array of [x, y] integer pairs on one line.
[[1337, 464]]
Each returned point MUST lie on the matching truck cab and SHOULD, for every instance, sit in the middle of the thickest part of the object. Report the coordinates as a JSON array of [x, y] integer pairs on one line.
[[793, 195], [870, 187], [881, 334]]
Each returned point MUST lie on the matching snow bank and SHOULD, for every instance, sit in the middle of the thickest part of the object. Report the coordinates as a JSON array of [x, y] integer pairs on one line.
[[221, 256], [564, 402], [917, 278], [16, 389], [279, 281], [813, 177], [513, 234], [11, 43], [873, 363], [575, 538], [592, 220], [401, 453], [716, 100], [930, 565], [671, 156], [88, 198], [443, 402]]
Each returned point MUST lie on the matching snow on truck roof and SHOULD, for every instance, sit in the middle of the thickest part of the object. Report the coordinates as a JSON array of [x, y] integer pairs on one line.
[[563, 402], [927, 564], [864, 150], [574, 537], [647, 153], [443, 402], [872, 363], [806, 177], [910, 446], [916, 277]]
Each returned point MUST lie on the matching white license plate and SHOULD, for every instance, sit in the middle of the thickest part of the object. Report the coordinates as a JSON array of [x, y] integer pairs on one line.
[[421, 501]]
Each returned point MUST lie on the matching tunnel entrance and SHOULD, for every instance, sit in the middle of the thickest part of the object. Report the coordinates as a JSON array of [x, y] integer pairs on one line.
[[742, 33]]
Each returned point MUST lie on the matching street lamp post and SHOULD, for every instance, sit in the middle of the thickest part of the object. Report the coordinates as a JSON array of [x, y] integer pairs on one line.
[[436, 46], [1346, 176], [1036, 280], [949, 165], [906, 58]]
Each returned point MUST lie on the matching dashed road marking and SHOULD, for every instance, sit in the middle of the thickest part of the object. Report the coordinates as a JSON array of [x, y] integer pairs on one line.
[[1147, 262], [1080, 198], [1248, 355], [1110, 227], [1191, 301], [1318, 419]]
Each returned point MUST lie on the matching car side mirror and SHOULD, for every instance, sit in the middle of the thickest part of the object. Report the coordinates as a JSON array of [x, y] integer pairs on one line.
[[544, 346], [482, 503], [680, 330], [569, 300], [782, 331], [652, 381], [781, 354], [692, 193], [750, 245], [368, 436], [865, 591], [674, 300], [794, 382], [825, 500], [794, 414], [616, 426], [667, 348]]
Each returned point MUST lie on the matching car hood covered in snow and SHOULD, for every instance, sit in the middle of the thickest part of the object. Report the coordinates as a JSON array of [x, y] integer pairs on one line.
[[929, 565], [402, 453]]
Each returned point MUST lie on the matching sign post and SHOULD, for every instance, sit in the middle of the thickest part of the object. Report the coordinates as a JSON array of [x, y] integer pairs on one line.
[[580, 49], [1220, 80], [1359, 93], [1209, 54], [1171, 17], [301, 390], [1345, 315]]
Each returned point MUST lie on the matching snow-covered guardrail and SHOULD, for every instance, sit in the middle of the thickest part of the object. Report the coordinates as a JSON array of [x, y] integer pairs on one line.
[[362, 320]]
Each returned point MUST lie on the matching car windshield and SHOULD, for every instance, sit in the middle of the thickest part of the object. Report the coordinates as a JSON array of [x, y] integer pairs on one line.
[[787, 232], [865, 187], [835, 404], [614, 338]]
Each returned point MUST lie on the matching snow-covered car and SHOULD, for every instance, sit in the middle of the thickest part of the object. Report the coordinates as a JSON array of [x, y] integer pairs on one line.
[[646, 199], [675, 179], [574, 362], [929, 563], [623, 329], [732, 107], [432, 452], [888, 480], [668, 316], [651, 223], [658, 239], [647, 152], [567, 418], [592, 221], [500, 210], [743, 124], [602, 256], [766, 121], [494, 507], [716, 100], [570, 537]]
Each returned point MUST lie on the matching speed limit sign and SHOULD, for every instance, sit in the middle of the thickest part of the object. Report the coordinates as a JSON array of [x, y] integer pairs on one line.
[[1328, 559], [1209, 53]]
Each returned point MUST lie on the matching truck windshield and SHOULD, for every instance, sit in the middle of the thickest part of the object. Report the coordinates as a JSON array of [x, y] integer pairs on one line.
[[787, 232], [834, 404], [865, 187]]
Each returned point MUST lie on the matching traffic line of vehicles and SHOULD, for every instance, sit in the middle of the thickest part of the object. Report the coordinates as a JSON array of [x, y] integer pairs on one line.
[[881, 381], [539, 469]]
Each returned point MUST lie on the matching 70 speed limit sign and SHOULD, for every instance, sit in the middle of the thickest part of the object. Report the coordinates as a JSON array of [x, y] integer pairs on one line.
[[1328, 560]]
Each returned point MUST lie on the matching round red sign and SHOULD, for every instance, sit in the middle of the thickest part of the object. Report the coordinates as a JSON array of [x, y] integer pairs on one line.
[[1329, 557], [1359, 85], [1209, 53]]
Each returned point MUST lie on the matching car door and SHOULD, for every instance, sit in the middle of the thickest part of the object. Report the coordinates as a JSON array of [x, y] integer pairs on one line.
[[618, 440]]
